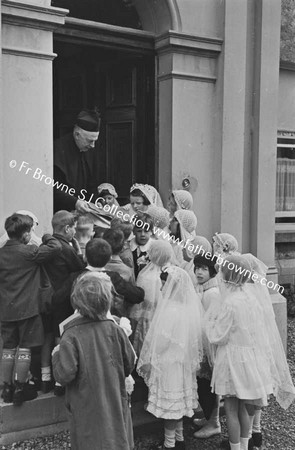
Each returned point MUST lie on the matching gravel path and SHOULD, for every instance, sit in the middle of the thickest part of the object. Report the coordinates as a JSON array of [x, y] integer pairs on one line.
[[278, 425]]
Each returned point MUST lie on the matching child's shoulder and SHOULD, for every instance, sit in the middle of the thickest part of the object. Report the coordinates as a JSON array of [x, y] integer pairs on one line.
[[234, 298]]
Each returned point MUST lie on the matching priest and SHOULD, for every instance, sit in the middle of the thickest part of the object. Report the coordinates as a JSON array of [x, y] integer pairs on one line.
[[76, 164]]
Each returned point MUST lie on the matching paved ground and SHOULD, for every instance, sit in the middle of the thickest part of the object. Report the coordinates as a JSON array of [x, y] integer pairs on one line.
[[278, 425]]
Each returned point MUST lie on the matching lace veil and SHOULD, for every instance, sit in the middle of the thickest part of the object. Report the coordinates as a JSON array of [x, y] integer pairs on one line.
[[175, 332], [284, 390]]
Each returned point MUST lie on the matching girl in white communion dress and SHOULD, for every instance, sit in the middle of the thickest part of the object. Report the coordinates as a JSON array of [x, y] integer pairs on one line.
[[245, 371], [171, 355]]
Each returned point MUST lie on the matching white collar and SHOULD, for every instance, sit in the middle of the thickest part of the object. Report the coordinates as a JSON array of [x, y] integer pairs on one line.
[[95, 269], [143, 248]]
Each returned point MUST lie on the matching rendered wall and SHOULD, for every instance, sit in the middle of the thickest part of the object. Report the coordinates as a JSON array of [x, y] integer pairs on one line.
[[286, 104], [27, 107]]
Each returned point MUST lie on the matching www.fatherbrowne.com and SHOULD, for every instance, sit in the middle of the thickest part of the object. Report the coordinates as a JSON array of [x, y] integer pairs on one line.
[[197, 249], [115, 211], [220, 261]]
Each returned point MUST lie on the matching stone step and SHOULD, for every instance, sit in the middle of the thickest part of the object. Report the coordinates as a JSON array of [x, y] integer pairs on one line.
[[46, 415]]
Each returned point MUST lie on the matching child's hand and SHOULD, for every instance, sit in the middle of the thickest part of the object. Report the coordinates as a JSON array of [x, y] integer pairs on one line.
[[56, 349], [129, 384], [76, 246], [125, 325]]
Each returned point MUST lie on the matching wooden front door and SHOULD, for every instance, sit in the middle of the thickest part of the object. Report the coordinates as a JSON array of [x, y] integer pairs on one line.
[[123, 89]]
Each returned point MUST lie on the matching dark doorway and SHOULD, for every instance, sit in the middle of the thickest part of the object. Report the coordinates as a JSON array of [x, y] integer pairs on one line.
[[121, 85]]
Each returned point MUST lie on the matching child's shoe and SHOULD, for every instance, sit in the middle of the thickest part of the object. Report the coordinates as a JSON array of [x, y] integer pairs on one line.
[[226, 445], [47, 386], [257, 439], [207, 431], [180, 445], [23, 392], [59, 391], [250, 444], [161, 446], [18, 395], [7, 393]]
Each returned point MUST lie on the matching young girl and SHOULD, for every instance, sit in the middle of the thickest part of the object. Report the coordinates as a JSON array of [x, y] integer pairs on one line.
[[171, 355], [284, 388], [179, 199], [92, 361], [207, 286], [160, 218], [149, 279], [224, 244], [199, 245], [141, 196], [243, 368], [107, 194], [183, 226]]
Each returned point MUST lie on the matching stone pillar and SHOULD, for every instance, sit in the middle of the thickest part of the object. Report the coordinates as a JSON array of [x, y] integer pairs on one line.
[[186, 76], [235, 123], [27, 42], [1, 122], [265, 123], [249, 132]]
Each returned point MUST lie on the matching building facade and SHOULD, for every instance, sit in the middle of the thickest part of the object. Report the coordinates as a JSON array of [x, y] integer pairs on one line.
[[189, 92]]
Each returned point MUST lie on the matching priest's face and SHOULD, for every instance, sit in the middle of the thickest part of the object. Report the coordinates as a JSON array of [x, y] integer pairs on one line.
[[85, 140]]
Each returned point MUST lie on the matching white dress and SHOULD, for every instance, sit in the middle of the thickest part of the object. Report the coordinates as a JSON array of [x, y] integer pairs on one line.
[[243, 363], [142, 313], [172, 349]]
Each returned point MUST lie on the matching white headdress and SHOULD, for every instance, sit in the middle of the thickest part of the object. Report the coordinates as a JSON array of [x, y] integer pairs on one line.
[[107, 187], [226, 239], [159, 215], [188, 222], [150, 193], [183, 199]]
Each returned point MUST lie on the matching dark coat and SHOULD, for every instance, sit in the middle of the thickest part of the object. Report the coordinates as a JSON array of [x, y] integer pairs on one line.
[[131, 293], [63, 269], [20, 277], [68, 170], [92, 362]]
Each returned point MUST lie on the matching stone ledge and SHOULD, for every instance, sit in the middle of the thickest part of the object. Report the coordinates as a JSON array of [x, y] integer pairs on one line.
[[46, 415], [279, 304]]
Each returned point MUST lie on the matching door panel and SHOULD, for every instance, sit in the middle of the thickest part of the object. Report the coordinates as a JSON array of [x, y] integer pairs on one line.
[[123, 89], [120, 155]]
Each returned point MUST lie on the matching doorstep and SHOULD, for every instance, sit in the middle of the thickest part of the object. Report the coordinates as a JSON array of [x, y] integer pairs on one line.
[[46, 415]]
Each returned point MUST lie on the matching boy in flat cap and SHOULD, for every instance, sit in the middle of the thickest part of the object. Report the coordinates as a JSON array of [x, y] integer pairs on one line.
[[75, 164]]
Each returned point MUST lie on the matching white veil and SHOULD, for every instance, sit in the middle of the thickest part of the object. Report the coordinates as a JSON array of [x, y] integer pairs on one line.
[[175, 333], [149, 279], [284, 390]]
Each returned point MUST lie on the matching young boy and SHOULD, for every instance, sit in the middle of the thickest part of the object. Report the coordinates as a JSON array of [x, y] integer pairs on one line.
[[20, 285], [63, 269], [141, 242], [84, 231], [207, 287], [98, 254], [125, 254], [115, 238], [92, 361]]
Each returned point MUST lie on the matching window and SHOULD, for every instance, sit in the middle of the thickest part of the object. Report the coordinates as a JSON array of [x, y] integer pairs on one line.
[[285, 190]]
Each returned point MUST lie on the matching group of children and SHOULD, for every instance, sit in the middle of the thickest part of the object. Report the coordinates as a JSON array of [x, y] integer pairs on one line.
[[199, 329]]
